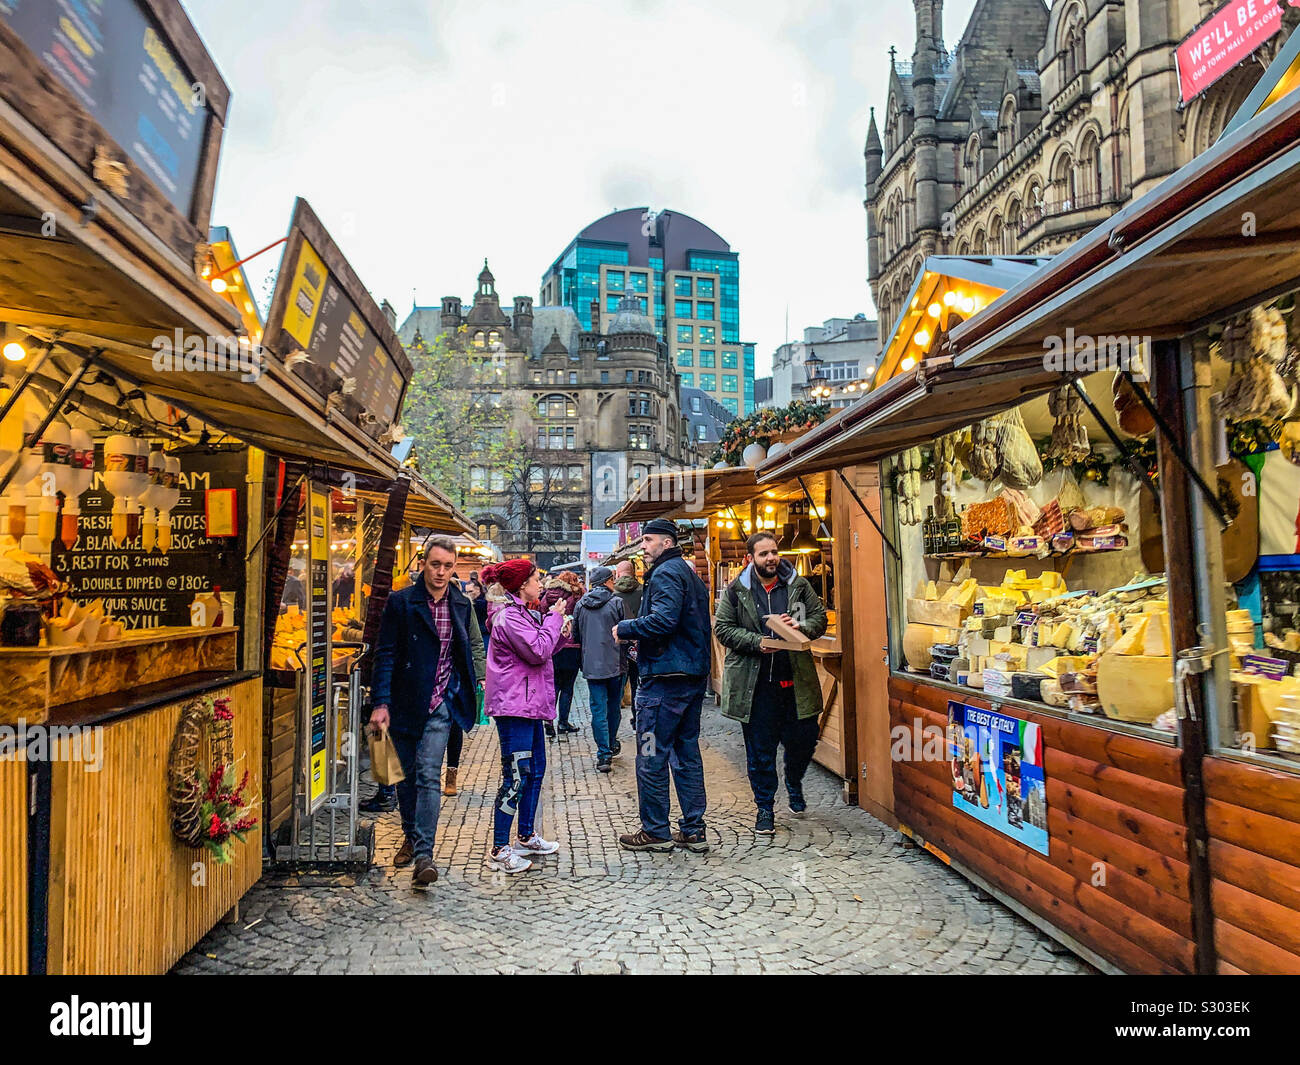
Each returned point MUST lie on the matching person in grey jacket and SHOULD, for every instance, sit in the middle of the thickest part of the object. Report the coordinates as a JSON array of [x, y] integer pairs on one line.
[[604, 661]]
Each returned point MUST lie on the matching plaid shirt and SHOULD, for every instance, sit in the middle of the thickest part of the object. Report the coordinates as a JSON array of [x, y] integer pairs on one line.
[[440, 609]]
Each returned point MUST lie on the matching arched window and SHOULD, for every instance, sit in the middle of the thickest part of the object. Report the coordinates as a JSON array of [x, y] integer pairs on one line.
[[980, 243], [1007, 126], [1073, 44], [971, 163], [1089, 169], [480, 340], [494, 338], [996, 237], [1011, 231], [556, 406], [1064, 185]]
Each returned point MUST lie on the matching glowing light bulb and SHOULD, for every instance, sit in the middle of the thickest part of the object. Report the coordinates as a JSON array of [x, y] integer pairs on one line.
[[950, 299], [968, 305], [908, 363], [935, 310], [15, 352], [922, 338], [219, 285]]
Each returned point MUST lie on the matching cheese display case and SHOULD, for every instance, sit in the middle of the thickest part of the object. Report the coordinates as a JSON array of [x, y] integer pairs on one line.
[[1027, 571]]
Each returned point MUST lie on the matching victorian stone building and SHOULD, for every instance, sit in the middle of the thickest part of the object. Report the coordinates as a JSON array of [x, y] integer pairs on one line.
[[1040, 123], [585, 413]]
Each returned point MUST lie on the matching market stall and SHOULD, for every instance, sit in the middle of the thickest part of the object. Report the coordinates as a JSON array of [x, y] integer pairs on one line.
[[1068, 505], [146, 436], [1212, 257], [730, 504], [993, 737]]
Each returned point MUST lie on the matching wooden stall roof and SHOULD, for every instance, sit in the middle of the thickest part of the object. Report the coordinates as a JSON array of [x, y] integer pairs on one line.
[[77, 264], [1213, 239], [910, 410], [981, 278], [687, 494], [427, 508]]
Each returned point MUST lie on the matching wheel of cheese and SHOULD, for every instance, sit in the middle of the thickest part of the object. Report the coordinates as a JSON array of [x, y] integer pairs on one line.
[[918, 639]]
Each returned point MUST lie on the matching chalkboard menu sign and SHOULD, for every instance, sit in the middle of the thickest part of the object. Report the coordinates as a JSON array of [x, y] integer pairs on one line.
[[321, 308], [146, 589], [112, 58]]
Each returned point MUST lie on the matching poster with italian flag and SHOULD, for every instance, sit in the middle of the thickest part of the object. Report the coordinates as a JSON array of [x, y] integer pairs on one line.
[[996, 763]]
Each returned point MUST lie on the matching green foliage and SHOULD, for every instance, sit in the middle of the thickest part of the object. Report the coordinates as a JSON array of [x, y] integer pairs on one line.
[[456, 409], [763, 426]]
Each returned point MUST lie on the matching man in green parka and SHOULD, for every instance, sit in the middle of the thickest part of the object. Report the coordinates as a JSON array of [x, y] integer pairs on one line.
[[775, 694]]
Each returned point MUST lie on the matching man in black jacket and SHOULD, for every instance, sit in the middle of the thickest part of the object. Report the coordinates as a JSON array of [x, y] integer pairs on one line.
[[673, 650], [428, 664]]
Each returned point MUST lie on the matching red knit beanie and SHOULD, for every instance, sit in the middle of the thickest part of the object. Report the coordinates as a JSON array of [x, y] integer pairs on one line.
[[512, 574], [488, 575]]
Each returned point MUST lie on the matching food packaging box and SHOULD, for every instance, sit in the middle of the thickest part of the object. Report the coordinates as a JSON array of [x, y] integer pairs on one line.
[[788, 637]]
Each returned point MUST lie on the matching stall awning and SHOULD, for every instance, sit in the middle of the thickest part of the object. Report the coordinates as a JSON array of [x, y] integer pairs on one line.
[[427, 508], [910, 410], [948, 290], [99, 281], [629, 550], [1215, 238], [687, 494]]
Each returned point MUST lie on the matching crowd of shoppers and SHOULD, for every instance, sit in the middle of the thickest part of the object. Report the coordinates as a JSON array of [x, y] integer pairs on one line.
[[508, 649]]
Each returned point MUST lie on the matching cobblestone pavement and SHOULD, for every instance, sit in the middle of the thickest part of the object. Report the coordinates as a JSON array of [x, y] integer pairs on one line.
[[834, 891]]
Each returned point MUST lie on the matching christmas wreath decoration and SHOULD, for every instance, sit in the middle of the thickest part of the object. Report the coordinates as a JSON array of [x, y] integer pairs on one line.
[[765, 425], [208, 808]]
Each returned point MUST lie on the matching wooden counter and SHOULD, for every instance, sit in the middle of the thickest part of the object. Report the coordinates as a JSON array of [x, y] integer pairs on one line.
[[39, 678], [13, 866], [828, 655], [124, 895]]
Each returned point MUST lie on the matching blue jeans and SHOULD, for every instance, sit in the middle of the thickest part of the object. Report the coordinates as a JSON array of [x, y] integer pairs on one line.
[[668, 737], [773, 720], [606, 695], [523, 763], [419, 795]]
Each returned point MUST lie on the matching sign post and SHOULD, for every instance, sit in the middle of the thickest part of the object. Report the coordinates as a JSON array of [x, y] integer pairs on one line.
[[319, 650]]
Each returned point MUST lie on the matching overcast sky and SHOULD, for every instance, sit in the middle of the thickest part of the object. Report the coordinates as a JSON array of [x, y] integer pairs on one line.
[[431, 133]]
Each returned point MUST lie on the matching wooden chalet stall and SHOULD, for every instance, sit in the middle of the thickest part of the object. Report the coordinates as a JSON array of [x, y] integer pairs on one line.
[[730, 503], [1025, 792], [113, 326], [1208, 266]]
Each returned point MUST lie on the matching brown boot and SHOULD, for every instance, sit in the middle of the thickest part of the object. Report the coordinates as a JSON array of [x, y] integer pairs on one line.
[[405, 854], [449, 781]]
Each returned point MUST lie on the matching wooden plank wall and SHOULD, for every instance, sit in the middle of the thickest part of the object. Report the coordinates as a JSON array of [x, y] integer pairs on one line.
[[13, 867], [123, 897], [279, 747], [1115, 805], [1253, 815]]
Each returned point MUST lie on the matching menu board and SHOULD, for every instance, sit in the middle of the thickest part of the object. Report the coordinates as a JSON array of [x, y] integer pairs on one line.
[[319, 633], [146, 589], [111, 57], [321, 308], [328, 326]]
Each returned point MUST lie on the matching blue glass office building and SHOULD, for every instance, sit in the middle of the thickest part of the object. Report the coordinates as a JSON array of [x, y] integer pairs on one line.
[[686, 278]]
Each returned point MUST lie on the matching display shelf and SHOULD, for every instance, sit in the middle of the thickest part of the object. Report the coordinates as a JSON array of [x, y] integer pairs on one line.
[[44, 677]]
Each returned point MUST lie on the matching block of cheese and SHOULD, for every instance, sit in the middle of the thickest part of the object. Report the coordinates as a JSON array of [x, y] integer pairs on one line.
[[1155, 643], [1061, 637], [931, 590], [1133, 641], [1134, 687], [936, 612], [1156, 606]]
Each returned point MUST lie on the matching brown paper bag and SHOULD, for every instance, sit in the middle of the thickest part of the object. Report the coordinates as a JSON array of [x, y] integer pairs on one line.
[[385, 766]]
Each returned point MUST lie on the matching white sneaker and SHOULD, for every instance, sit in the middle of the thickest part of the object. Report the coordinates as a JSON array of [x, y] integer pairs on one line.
[[536, 845], [507, 861]]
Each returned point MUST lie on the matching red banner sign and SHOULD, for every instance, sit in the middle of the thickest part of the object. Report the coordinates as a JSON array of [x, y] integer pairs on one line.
[[1230, 35]]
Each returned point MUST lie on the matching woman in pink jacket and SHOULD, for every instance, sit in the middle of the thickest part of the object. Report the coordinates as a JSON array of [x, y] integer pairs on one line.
[[519, 694]]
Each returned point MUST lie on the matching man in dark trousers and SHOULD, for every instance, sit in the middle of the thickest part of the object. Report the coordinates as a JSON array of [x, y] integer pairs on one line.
[[603, 662], [775, 694], [428, 665], [672, 634]]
